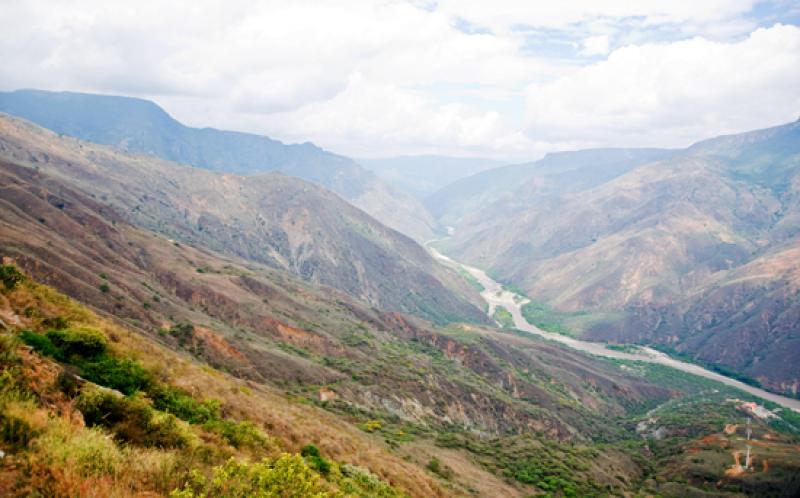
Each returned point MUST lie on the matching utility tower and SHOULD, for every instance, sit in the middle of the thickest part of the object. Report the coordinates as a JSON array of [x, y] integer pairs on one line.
[[747, 461]]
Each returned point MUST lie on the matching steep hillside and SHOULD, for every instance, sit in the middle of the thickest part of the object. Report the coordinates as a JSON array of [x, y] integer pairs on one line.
[[269, 218], [137, 125], [421, 176], [679, 235]]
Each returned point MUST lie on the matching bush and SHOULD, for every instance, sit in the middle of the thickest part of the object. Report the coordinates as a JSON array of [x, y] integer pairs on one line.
[[287, 477], [132, 419], [435, 466], [182, 405], [38, 342], [124, 375], [10, 276], [358, 481], [86, 348], [82, 342], [315, 460], [238, 434]]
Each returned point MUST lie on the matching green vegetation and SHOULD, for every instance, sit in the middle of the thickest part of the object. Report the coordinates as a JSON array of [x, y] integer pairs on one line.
[[10, 276], [438, 468], [286, 476], [545, 318], [314, 459], [716, 367], [624, 348], [557, 468], [470, 278], [104, 288], [503, 317], [87, 349]]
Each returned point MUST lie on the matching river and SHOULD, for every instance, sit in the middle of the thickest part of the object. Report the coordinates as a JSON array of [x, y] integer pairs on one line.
[[495, 295]]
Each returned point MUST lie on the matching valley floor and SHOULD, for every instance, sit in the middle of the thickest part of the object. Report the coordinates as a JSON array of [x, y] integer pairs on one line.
[[498, 297]]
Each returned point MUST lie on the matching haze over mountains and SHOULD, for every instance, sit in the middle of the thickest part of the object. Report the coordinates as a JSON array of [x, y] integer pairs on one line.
[[426, 174]]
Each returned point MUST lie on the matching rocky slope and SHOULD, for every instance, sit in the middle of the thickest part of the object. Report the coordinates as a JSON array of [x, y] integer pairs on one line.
[[676, 245], [268, 218], [141, 126]]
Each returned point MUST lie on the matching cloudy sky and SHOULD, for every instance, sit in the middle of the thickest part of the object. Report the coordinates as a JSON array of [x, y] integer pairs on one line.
[[506, 79]]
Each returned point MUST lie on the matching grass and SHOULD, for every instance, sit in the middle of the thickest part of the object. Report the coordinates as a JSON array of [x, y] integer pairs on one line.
[[547, 319]]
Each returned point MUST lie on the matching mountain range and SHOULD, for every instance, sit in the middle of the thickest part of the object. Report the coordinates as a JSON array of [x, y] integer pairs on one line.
[[226, 328], [141, 126], [269, 218], [691, 249]]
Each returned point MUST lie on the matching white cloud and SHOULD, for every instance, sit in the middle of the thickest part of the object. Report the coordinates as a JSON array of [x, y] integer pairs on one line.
[[673, 94], [595, 45], [365, 77]]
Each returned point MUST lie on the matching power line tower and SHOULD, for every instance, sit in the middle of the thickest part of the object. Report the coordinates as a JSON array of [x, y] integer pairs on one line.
[[747, 462]]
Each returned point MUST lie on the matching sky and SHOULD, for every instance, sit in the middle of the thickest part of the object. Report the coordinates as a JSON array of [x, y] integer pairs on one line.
[[507, 79]]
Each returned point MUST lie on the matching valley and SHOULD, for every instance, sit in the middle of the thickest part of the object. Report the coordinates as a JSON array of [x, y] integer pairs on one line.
[[399, 249], [496, 295]]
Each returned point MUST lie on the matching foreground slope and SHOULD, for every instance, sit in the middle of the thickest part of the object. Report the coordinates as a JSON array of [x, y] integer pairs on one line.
[[137, 125], [269, 218], [693, 251]]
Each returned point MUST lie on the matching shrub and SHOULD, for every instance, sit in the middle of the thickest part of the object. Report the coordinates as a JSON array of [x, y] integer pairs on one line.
[[124, 375], [435, 466], [81, 342], [132, 419], [10, 276], [287, 477], [358, 481], [238, 434], [104, 288], [86, 348], [315, 460], [182, 405], [39, 343]]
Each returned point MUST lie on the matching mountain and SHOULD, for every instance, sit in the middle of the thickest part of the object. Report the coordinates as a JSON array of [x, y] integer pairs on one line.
[[137, 125], [267, 217], [556, 173], [666, 250], [171, 366], [423, 175]]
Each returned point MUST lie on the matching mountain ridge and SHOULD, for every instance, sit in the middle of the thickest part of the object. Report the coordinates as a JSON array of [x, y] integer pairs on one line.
[[140, 125]]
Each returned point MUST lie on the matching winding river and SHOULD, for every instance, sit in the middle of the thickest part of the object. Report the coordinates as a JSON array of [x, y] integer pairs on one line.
[[495, 295]]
